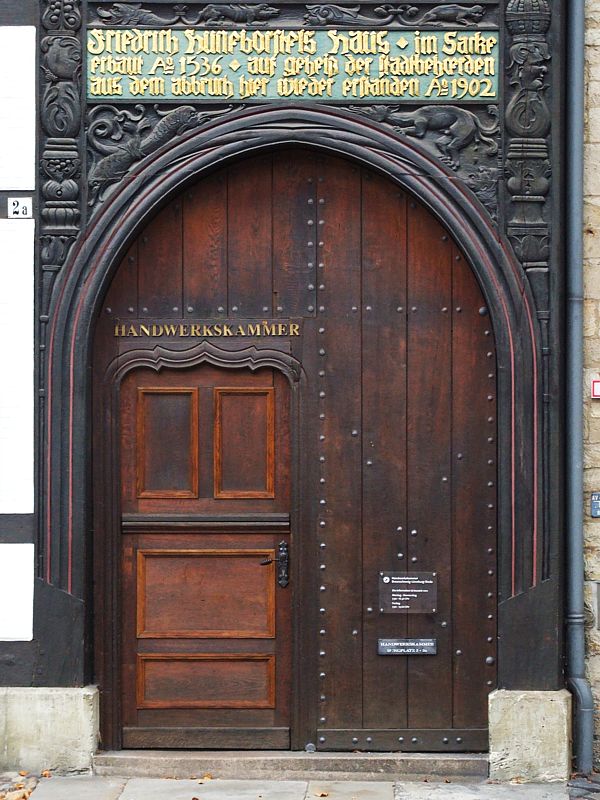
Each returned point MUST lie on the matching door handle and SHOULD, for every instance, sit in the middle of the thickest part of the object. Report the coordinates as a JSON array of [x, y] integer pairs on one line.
[[283, 564]]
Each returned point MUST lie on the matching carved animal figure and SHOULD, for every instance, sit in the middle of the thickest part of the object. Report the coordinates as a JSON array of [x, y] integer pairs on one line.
[[133, 14], [459, 127], [249, 14], [452, 12]]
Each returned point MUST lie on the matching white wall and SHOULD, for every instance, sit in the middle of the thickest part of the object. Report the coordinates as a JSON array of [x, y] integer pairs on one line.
[[17, 174], [17, 107]]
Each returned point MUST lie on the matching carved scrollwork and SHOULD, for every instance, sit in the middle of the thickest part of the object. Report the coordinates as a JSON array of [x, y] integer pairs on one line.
[[528, 121], [211, 14], [62, 15], [449, 14], [123, 136]]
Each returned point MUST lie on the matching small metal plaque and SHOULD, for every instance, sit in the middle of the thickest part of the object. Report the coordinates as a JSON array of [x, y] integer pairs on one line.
[[407, 647], [595, 505], [407, 592]]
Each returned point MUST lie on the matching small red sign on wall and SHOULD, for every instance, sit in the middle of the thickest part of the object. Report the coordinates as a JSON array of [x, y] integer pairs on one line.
[[595, 388]]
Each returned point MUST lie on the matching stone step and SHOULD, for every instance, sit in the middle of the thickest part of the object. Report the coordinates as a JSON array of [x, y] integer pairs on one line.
[[287, 765]]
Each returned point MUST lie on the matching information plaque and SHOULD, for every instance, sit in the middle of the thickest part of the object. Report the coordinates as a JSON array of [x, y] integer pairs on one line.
[[245, 65], [407, 592], [407, 647]]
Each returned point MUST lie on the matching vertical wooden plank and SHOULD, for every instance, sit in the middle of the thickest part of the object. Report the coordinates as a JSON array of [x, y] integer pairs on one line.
[[250, 238], [205, 248], [294, 232], [122, 296], [383, 439], [428, 454], [159, 272], [474, 500], [338, 396]]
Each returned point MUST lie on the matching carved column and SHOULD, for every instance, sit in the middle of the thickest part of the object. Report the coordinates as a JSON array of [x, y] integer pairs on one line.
[[61, 115]]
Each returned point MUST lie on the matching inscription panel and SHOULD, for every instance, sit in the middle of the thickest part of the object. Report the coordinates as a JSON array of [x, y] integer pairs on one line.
[[246, 65]]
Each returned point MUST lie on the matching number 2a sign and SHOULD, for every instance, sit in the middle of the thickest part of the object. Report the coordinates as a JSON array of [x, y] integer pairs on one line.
[[20, 207]]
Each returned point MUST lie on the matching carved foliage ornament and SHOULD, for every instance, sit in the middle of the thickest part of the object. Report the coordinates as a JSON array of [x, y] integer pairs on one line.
[[211, 14]]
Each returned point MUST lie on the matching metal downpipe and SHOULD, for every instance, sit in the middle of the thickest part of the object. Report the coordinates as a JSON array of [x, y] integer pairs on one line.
[[583, 724]]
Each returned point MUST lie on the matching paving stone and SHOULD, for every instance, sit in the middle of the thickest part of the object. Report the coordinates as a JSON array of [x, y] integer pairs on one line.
[[482, 791], [164, 789], [79, 787], [350, 790]]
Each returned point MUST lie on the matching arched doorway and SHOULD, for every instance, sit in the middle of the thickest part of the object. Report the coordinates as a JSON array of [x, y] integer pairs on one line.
[[392, 503]]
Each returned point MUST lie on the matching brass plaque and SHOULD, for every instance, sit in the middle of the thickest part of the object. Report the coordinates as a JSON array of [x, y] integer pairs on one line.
[[407, 592]]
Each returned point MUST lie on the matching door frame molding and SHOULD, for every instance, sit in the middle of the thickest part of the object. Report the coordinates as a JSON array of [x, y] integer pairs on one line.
[[530, 589]]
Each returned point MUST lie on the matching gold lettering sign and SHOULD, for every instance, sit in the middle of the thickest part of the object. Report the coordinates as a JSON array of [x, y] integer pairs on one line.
[[242, 65], [206, 330]]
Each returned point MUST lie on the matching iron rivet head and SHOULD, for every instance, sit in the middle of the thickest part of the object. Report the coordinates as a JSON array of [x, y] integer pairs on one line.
[[400, 555], [265, 308], [131, 259], [490, 419], [487, 333], [483, 311], [321, 373], [457, 258], [322, 674], [399, 309], [321, 438], [322, 351], [310, 265], [413, 532], [354, 632], [489, 355], [369, 610], [490, 374], [321, 201], [109, 310], [490, 594], [321, 222], [321, 416], [321, 611], [459, 456], [445, 740], [459, 652], [414, 740], [321, 244], [490, 528], [488, 683], [322, 523], [413, 309], [130, 309], [490, 616], [322, 545], [322, 719], [310, 222], [414, 559], [369, 308], [354, 308], [322, 631], [444, 479], [145, 310], [310, 201], [322, 698], [490, 397], [309, 244], [445, 310], [321, 394], [321, 264], [459, 309], [321, 330], [175, 308], [443, 624], [321, 480], [279, 308], [234, 308], [354, 740], [444, 238], [323, 566], [369, 739], [399, 528], [190, 309], [321, 739], [354, 433], [434, 574], [321, 459], [310, 287], [401, 738], [322, 588], [459, 739], [369, 463], [321, 308], [490, 483], [490, 550], [490, 439], [490, 639], [381, 610], [490, 461], [311, 308], [490, 571], [321, 653], [220, 309], [433, 610]]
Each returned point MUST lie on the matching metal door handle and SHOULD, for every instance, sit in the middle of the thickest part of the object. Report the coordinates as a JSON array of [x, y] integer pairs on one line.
[[283, 562]]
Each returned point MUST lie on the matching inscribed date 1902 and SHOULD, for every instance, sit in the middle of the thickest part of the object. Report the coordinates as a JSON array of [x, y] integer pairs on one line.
[[245, 65], [407, 592]]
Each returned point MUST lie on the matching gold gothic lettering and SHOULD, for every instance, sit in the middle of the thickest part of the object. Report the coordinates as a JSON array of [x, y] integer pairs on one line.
[[207, 330]]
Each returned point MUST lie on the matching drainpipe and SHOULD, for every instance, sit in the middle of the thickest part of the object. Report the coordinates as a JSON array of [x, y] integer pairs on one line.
[[583, 723]]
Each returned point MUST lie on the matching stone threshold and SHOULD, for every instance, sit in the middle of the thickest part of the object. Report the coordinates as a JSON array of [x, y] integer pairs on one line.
[[290, 765]]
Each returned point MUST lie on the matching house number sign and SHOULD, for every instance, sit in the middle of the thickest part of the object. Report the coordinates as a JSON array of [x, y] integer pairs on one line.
[[256, 65], [407, 592]]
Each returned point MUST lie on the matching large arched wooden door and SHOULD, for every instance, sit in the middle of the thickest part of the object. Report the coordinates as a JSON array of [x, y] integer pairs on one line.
[[392, 508]]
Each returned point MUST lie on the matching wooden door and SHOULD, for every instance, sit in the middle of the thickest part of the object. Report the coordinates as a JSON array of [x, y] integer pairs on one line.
[[206, 626], [396, 466]]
